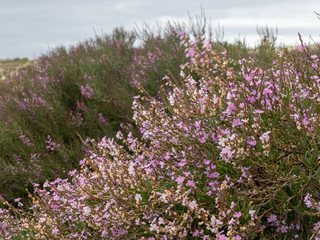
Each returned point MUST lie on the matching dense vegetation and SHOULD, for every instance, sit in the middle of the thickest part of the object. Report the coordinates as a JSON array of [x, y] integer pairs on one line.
[[216, 141]]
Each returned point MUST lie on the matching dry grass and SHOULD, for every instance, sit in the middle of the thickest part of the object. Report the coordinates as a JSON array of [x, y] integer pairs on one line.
[[9, 66]]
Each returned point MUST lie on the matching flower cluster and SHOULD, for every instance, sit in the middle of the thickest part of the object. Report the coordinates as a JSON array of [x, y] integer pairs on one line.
[[26, 140], [229, 152], [87, 91], [51, 145]]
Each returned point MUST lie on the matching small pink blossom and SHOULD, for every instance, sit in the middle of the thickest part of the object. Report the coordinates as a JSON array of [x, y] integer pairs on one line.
[[252, 142], [265, 137], [180, 180], [301, 48], [193, 205], [272, 218], [237, 214], [224, 53], [138, 198], [190, 183]]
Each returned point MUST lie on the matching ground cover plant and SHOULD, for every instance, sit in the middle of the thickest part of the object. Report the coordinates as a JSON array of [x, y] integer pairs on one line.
[[230, 151]]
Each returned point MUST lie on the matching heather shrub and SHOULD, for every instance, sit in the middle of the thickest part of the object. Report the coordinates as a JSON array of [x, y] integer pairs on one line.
[[161, 53], [264, 53], [225, 154], [69, 94]]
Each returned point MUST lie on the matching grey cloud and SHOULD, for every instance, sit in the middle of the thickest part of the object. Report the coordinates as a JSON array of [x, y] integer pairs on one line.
[[27, 28]]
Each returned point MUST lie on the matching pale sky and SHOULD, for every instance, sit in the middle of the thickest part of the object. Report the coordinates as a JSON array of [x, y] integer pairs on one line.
[[29, 28]]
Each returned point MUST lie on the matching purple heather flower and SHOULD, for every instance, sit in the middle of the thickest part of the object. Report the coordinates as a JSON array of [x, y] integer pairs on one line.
[[193, 205], [258, 111], [237, 214], [138, 198], [236, 122], [197, 124], [214, 175], [224, 53], [196, 233], [237, 237], [265, 137], [190, 183], [226, 153], [222, 237], [252, 213], [252, 142], [180, 180], [272, 218], [301, 48], [283, 229]]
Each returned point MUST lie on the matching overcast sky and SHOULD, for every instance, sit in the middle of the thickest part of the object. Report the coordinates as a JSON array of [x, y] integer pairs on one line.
[[28, 28]]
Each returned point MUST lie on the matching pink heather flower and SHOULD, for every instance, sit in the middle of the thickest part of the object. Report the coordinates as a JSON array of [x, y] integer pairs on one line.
[[252, 142], [161, 221], [180, 180], [252, 213], [231, 221], [226, 153], [301, 48], [197, 124], [153, 227], [251, 99], [265, 137], [54, 206], [86, 211], [87, 91], [214, 175], [258, 111], [236, 122], [202, 140], [206, 162], [138, 198], [119, 135], [193, 205], [283, 229], [131, 169], [196, 233], [237, 214], [224, 53], [272, 218], [222, 237], [314, 65], [182, 162], [190, 183], [215, 221], [307, 201], [55, 231], [248, 77]]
